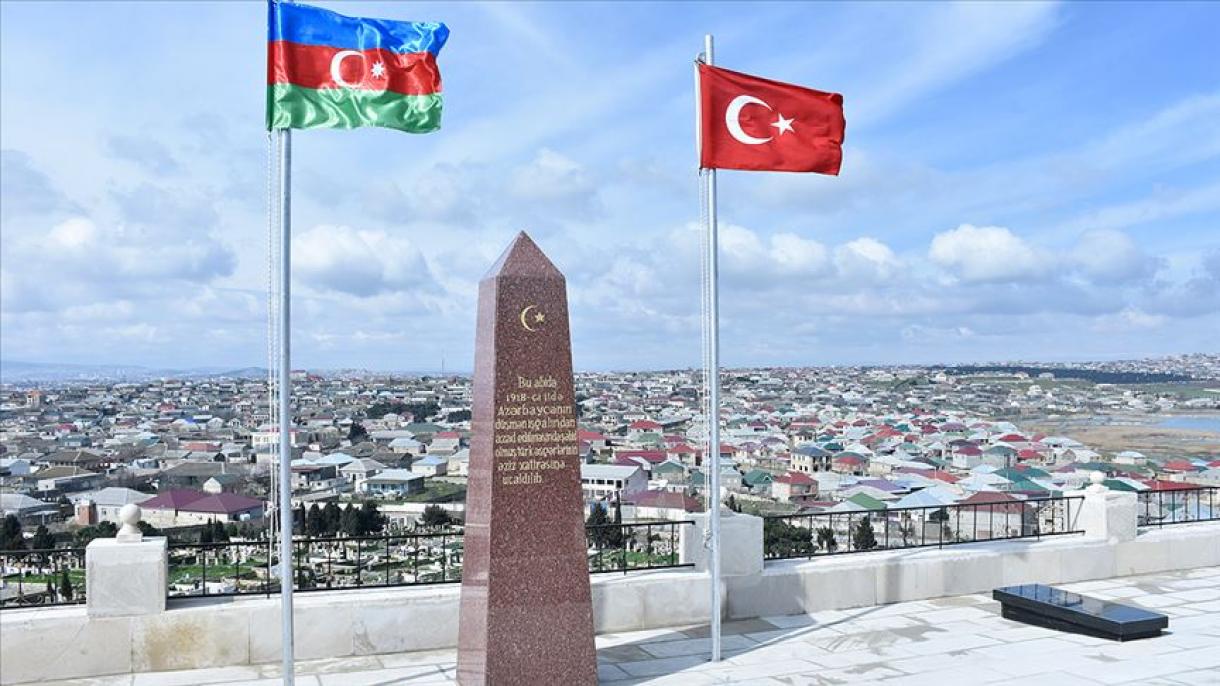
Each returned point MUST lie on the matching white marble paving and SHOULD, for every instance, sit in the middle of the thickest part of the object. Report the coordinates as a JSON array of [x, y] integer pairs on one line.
[[953, 640]]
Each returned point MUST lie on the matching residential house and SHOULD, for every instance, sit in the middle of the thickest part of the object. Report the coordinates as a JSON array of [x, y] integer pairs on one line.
[[222, 483], [30, 511], [393, 483], [662, 505], [103, 505], [605, 481], [66, 479], [187, 507], [430, 465], [793, 487], [357, 471]]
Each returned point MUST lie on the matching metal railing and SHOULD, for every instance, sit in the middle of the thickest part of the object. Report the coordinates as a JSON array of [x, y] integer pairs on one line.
[[835, 533], [388, 560], [1178, 506], [42, 578], [631, 547], [252, 567]]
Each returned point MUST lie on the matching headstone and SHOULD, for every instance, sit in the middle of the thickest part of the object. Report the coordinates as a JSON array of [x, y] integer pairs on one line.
[[526, 613]]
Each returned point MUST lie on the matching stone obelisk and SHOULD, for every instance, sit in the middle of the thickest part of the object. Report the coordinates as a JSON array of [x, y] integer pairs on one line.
[[526, 614]]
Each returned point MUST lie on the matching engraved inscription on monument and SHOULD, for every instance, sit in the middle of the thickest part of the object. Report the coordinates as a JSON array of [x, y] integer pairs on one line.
[[526, 611], [535, 429]]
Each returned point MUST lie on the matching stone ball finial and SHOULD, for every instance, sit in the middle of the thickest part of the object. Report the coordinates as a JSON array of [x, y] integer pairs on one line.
[[130, 515], [1097, 478]]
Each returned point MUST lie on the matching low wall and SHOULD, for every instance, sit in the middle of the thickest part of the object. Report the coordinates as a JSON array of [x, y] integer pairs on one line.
[[64, 643], [865, 579], [61, 643]]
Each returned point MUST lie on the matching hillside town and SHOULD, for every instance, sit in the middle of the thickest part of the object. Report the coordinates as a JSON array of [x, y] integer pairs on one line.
[[197, 453]]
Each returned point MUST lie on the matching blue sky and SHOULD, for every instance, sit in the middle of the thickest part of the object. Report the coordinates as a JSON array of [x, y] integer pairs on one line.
[[1021, 181]]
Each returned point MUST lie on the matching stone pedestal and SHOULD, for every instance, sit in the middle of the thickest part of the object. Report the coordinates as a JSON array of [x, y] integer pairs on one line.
[[125, 578], [1107, 515], [526, 611], [741, 543]]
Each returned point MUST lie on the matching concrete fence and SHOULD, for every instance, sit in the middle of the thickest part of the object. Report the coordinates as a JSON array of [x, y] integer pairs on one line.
[[126, 626]]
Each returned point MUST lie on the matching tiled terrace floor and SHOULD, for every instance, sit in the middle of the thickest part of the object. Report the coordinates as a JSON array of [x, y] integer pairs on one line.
[[946, 641]]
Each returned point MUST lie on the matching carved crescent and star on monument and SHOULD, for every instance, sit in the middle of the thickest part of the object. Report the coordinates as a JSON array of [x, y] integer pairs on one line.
[[376, 71], [531, 314], [732, 119]]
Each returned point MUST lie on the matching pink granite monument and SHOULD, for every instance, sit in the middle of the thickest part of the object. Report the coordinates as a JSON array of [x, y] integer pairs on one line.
[[526, 613]]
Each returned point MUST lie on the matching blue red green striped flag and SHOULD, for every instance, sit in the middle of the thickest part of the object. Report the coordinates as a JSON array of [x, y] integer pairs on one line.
[[327, 70]]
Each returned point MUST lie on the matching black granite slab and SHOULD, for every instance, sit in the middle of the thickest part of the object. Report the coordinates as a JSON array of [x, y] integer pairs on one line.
[[1055, 608]]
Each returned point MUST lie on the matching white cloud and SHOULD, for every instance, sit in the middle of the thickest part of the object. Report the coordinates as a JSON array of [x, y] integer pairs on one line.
[[73, 234], [95, 262], [867, 259], [796, 255], [1128, 319], [986, 253], [954, 41], [358, 262], [748, 257], [551, 176], [1105, 255]]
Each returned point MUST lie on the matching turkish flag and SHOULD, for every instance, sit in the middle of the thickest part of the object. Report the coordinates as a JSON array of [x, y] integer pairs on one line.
[[747, 122]]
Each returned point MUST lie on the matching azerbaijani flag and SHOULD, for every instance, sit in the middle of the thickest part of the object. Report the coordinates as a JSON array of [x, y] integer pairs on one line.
[[326, 70]]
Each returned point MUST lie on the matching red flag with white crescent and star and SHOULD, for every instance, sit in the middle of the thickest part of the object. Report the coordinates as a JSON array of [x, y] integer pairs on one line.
[[752, 123]]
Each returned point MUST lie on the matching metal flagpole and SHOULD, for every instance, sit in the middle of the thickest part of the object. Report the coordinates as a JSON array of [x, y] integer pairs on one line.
[[712, 324], [283, 148]]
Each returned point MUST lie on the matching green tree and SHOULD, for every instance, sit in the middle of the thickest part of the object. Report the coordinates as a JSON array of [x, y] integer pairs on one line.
[[10, 534], [148, 529], [371, 521], [357, 433], [219, 534], [349, 521], [65, 586], [330, 519], [43, 540], [732, 504], [826, 540], [381, 408], [601, 530], [205, 534], [863, 537], [906, 528], [435, 516], [783, 539], [314, 524], [421, 412], [458, 416], [99, 530]]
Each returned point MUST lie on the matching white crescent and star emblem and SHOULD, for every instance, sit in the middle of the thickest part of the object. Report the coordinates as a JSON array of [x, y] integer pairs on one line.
[[732, 119], [536, 317], [336, 68]]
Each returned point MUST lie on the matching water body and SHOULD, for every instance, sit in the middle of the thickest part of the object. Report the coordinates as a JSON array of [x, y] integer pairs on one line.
[[1192, 422]]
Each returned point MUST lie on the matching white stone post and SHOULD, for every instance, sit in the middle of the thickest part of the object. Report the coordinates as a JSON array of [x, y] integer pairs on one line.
[[741, 543], [126, 575], [1106, 514]]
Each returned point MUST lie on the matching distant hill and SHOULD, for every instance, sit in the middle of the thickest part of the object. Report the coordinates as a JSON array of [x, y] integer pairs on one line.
[[1094, 375], [27, 373]]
